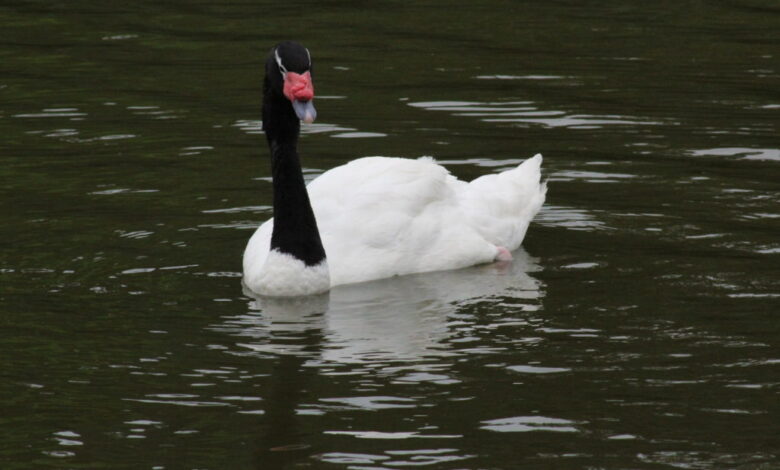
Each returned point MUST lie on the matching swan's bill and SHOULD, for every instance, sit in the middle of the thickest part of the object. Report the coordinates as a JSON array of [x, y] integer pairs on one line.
[[305, 111]]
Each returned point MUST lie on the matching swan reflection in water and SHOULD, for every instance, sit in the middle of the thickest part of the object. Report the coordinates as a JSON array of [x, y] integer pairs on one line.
[[401, 325], [402, 318]]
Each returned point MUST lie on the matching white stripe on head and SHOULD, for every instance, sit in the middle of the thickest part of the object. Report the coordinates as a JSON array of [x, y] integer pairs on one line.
[[282, 68], [309, 55]]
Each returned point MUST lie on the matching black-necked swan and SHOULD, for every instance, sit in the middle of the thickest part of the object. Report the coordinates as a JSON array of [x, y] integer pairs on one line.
[[374, 217]]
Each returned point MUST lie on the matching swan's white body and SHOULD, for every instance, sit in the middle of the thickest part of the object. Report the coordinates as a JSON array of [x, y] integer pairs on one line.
[[380, 217]]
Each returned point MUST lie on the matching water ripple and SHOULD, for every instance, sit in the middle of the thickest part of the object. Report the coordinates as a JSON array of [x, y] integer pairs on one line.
[[528, 424], [372, 402], [527, 113], [765, 154], [392, 435], [569, 217]]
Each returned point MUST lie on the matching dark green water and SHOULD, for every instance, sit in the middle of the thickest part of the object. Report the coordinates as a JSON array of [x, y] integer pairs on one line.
[[638, 328]]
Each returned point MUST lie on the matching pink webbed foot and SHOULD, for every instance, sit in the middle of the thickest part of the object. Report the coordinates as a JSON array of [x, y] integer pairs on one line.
[[503, 254]]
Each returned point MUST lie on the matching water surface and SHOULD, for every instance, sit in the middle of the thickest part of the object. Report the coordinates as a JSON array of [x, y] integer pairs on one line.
[[637, 328]]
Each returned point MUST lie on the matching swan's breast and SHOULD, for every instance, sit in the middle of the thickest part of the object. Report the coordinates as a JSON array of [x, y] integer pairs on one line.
[[284, 275]]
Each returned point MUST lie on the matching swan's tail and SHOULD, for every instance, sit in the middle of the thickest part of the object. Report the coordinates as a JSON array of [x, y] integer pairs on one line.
[[502, 205]]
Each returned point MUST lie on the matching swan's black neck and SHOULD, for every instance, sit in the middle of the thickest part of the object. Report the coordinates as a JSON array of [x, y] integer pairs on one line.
[[295, 228]]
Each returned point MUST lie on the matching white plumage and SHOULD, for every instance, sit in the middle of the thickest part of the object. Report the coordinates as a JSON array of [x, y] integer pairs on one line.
[[380, 217]]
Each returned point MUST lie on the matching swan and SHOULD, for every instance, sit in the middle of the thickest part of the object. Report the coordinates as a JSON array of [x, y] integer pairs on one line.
[[374, 217]]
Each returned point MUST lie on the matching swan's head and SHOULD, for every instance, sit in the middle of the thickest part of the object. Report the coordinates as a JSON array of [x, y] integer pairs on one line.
[[288, 70]]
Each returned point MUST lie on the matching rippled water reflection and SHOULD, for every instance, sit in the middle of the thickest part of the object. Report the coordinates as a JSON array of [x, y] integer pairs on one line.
[[636, 329], [402, 319]]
